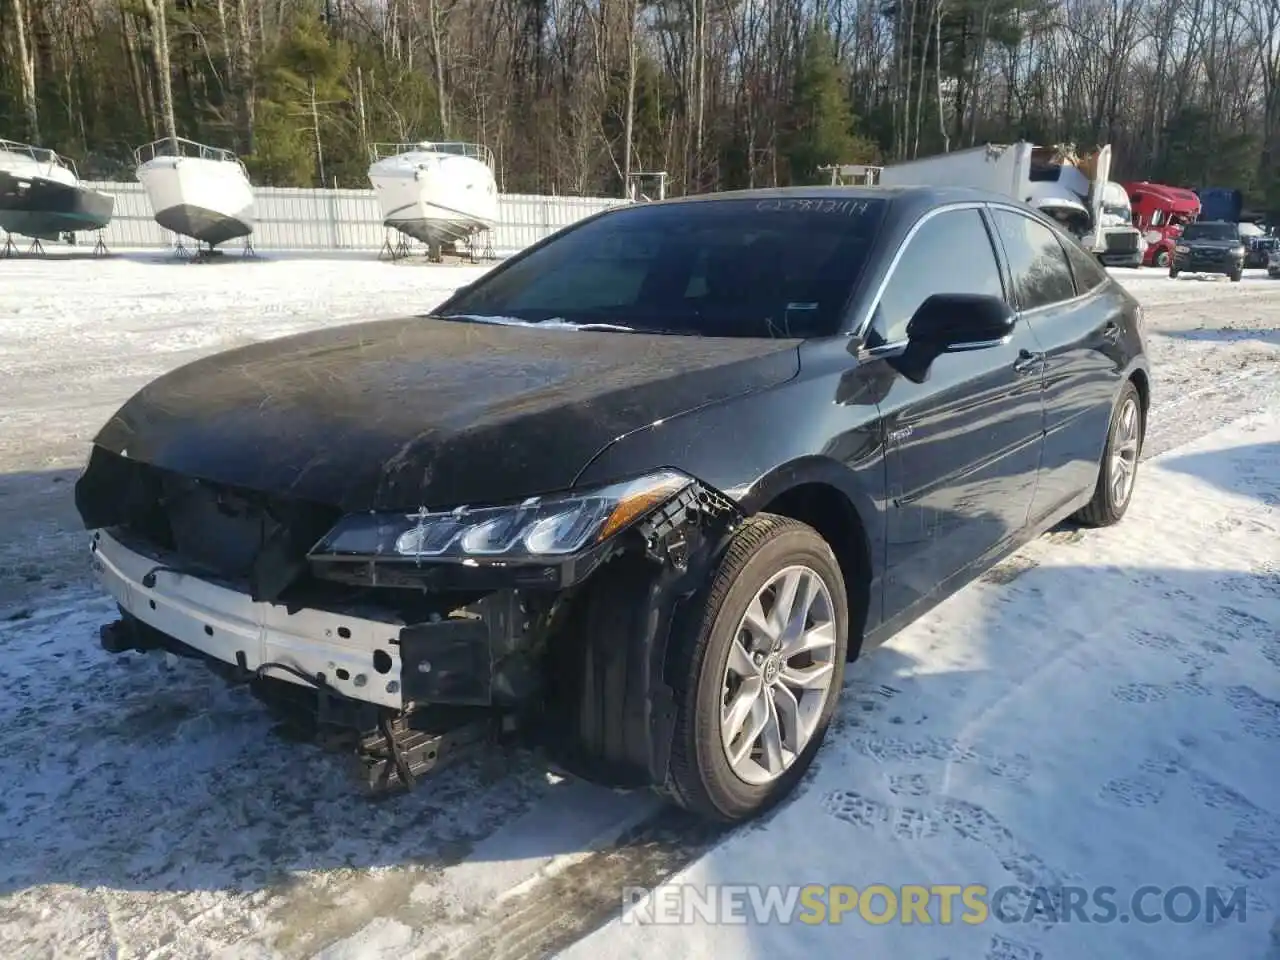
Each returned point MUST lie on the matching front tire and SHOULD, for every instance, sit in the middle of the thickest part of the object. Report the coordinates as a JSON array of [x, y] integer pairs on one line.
[[1173, 273], [758, 674], [1162, 258], [1235, 276], [1119, 469]]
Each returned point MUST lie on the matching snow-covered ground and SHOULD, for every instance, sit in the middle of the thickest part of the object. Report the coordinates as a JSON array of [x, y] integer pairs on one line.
[[1102, 709]]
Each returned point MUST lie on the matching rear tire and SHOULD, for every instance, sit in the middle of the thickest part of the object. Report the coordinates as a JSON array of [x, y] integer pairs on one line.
[[747, 728], [1118, 472]]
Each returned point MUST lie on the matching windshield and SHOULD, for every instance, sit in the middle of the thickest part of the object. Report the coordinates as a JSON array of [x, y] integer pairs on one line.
[[1123, 214], [779, 267], [1211, 231], [1074, 221]]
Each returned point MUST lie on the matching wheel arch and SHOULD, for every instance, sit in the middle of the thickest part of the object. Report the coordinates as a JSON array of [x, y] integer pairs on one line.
[[1140, 376], [1142, 381], [824, 494]]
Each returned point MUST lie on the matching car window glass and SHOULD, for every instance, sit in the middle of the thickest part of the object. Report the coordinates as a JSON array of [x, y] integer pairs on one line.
[[770, 267], [1088, 272], [1211, 231], [1041, 274], [950, 253]]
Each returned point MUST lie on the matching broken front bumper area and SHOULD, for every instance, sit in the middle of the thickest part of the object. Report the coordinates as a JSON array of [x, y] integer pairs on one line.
[[543, 646], [404, 696], [379, 659]]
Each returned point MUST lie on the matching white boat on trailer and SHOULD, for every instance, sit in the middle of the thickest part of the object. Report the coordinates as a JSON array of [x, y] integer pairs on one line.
[[197, 191], [42, 197], [439, 194]]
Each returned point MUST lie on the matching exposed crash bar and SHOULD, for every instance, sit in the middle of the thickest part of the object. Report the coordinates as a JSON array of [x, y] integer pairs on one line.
[[222, 623]]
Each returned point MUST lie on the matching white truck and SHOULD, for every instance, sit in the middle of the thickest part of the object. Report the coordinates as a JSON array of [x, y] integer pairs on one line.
[[1073, 190]]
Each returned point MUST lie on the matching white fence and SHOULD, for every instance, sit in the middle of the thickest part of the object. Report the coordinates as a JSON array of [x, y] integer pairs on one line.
[[309, 219]]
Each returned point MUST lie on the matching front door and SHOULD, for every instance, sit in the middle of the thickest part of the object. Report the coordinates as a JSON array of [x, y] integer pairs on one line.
[[963, 448]]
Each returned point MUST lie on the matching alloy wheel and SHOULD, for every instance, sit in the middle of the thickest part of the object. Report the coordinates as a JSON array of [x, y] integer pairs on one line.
[[1124, 452], [778, 675]]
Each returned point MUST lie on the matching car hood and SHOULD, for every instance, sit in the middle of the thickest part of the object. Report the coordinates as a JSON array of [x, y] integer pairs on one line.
[[1213, 244], [424, 412]]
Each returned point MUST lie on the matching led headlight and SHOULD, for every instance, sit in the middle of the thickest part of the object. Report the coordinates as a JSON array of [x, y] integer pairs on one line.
[[537, 527]]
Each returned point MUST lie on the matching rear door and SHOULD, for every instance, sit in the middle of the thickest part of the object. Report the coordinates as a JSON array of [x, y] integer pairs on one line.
[[964, 446], [1064, 298]]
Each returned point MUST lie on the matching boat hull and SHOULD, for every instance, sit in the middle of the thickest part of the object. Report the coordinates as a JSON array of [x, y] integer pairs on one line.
[[201, 223], [435, 198], [46, 209], [210, 201]]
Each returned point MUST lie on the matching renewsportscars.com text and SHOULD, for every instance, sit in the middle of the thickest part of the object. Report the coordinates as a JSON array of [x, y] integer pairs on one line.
[[971, 904]]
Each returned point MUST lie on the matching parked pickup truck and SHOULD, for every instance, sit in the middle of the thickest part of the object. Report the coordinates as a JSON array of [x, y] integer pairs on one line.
[[1212, 246]]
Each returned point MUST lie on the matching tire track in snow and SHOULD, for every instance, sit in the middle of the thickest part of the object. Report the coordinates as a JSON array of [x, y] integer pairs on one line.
[[561, 909]]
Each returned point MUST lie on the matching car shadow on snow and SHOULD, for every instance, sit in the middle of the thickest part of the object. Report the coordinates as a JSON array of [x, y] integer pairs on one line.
[[1226, 334], [1246, 471], [1251, 275], [41, 541]]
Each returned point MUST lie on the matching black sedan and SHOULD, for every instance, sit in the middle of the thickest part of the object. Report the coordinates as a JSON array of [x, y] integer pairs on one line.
[[640, 492]]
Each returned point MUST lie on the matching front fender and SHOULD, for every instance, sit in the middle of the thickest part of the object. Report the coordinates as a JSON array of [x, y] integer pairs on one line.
[[807, 470], [820, 428], [613, 701]]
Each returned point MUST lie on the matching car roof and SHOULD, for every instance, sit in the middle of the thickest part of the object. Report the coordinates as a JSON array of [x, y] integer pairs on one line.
[[914, 197]]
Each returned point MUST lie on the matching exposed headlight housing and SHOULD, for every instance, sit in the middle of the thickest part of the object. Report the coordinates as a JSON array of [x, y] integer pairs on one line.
[[1182, 248], [535, 530]]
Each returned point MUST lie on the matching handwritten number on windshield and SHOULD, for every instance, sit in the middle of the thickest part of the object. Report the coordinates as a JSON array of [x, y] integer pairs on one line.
[[848, 208]]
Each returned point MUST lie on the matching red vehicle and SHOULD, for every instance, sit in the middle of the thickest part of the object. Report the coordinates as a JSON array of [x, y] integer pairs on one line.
[[1161, 212]]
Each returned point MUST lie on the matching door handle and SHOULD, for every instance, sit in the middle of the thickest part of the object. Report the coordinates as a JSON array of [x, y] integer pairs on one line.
[[1027, 361], [1111, 332]]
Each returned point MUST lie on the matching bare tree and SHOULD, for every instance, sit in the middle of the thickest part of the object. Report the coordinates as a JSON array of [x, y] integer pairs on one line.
[[27, 69], [157, 22]]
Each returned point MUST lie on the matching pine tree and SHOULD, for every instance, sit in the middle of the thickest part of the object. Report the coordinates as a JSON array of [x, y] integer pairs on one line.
[[821, 121]]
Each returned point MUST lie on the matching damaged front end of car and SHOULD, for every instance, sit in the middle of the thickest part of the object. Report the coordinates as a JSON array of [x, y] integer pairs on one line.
[[406, 637]]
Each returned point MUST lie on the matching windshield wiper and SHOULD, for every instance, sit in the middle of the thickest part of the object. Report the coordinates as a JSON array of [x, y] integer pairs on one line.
[[551, 324], [594, 326]]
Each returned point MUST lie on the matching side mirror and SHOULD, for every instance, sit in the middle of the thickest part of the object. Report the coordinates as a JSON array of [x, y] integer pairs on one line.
[[961, 321], [949, 323]]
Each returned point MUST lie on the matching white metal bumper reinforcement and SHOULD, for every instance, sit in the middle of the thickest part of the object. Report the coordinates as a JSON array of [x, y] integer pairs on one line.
[[358, 657]]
